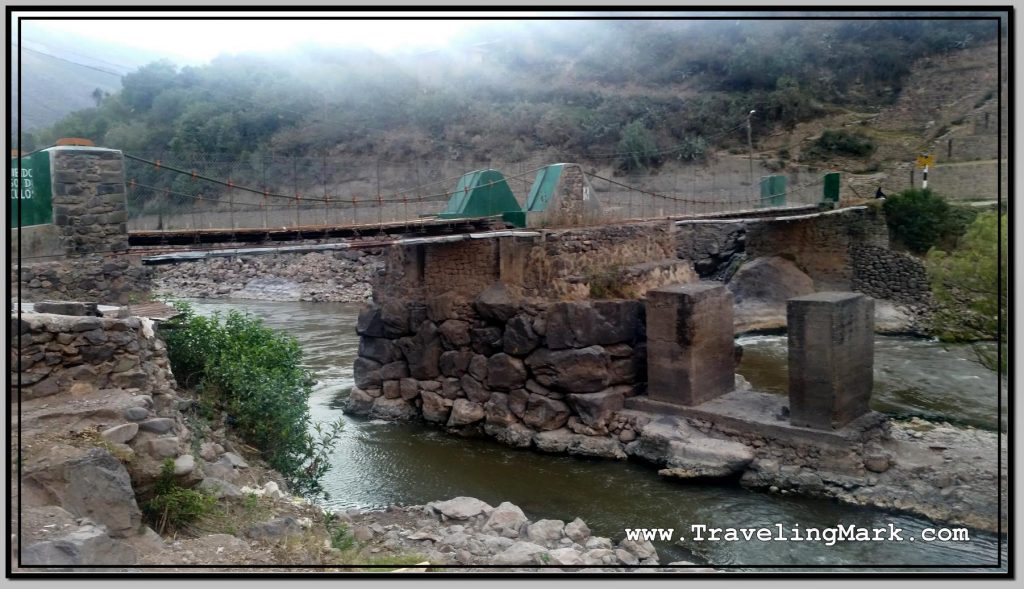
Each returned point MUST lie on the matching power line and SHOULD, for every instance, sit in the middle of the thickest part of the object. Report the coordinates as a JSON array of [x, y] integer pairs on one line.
[[91, 67]]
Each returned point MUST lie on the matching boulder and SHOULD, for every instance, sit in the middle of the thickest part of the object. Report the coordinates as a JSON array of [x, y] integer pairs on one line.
[[555, 441], [572, 371], [455, 363], [565, 557], [701, 456], [275, 530], [506, 520], [543, 413], [496, 303], [378, 349], [597, 447], [396, 409], [94, 485], [394, 370], [478, 367], [121, 434], [366, 373], [369, 323], [408, 388], [474, 390], [596, 409], [505, 372], [158, 425], [519, 338], [465, 412], [656, 436], [516, 435], [422, 352], [460, 508], [517, 401], [451, 388], [454, 334], [546, 532], [87, 544], [136, 413], [496, 410], [486, 340], [520, 554], [394, 313], [219, 488], [577, 531], [184, 465], [358, 402], [580, 324], [391, 389], [435, 407]]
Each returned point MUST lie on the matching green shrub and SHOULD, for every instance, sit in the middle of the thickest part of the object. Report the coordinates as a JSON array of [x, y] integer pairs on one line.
[[172, 506], [254, 374], [966, 283], [843, 143], [921, 219], [637, 147]]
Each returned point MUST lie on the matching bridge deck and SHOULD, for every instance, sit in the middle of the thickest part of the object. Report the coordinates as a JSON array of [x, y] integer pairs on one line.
[[298, 233]]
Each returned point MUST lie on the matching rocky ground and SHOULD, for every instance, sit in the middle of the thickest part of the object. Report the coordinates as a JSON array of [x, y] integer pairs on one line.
[[342, 276]]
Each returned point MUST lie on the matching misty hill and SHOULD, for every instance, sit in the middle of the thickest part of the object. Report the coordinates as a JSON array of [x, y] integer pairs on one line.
[[654, 91], [63, 72]]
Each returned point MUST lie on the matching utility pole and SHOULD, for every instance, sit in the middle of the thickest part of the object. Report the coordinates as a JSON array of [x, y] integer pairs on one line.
[[750, 145]]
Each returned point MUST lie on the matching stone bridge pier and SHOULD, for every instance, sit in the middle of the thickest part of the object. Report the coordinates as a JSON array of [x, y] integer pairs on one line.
[[691, 361]]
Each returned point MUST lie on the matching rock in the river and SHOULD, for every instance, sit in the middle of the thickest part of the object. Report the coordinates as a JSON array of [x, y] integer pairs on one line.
[[506, 519], [465, 412], [460, 508]]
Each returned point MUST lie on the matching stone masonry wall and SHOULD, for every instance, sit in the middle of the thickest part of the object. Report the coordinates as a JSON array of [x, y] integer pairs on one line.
[[106, 279], [884, 274], [89, 215], [465, 267], [524, 372], [80, 355], [89, 200]]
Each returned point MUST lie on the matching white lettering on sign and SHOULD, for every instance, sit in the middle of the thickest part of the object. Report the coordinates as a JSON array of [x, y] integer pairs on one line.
[[27, 189]]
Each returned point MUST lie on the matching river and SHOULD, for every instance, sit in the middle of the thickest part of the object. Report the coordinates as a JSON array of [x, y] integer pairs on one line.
[[377, 464]]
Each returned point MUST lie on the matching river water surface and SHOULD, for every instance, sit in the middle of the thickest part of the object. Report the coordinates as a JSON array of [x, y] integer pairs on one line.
[[378, 463]]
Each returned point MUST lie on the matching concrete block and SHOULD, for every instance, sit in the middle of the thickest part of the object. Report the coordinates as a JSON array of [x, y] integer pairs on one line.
[[690, 343], [831, 358]]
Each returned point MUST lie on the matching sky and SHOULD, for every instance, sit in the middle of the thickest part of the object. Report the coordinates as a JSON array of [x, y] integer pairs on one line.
[[198, 41]]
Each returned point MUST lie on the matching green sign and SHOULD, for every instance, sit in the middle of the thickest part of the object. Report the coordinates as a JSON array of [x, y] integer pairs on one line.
[[30, 186], [773, 191], [830, 192]]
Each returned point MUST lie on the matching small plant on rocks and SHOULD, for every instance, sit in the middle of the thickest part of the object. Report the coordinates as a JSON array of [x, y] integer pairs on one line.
[[174, 507]]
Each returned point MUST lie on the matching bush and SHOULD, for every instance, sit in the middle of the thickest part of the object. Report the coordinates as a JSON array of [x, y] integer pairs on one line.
[[254, 374], [172, 506], [966, 283], [843, 143], [637, 147], [921, 219]]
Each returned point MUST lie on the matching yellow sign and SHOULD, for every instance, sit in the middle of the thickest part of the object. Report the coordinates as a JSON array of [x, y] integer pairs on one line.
[[923, 161]]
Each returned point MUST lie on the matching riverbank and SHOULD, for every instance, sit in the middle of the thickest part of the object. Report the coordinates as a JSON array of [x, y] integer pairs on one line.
[[99, 424]]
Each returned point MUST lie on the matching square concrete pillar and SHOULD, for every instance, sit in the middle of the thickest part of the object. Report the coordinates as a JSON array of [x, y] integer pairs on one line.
[[831, 358], [690, 351]]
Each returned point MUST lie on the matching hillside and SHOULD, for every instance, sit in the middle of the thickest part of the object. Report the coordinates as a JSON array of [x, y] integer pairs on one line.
[[667, 100]]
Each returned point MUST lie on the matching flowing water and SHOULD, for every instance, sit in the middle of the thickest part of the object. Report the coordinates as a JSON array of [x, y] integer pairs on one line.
[[378, 463]]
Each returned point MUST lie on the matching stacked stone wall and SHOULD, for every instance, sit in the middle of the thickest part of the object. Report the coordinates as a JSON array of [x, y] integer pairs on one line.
[[524, 372], [885, 274], [54, 354]]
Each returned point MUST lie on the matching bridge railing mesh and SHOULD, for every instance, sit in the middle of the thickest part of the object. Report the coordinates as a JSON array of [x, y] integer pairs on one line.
[[207, 191]]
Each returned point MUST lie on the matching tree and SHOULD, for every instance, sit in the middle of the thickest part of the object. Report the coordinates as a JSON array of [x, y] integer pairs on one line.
[[637, 147], [970, 283]]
